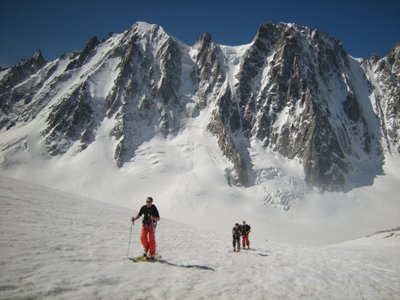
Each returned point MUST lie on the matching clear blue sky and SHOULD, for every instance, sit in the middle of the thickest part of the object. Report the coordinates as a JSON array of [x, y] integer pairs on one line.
[[59, 26]]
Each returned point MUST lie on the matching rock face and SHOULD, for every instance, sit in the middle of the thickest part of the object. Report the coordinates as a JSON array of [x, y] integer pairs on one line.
[[384, 74], [293, 89], [17, 88], [300, 94]]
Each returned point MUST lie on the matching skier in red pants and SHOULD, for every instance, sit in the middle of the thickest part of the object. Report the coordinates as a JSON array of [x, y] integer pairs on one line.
[[149, 223], [245, 235]]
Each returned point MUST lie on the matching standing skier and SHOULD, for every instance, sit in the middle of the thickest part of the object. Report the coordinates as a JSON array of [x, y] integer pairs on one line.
[[236, 238], [245, 235], [149, 223]]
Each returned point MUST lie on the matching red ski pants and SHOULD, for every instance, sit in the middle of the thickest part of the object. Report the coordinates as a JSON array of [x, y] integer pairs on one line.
[[148, 239], [245, 241]]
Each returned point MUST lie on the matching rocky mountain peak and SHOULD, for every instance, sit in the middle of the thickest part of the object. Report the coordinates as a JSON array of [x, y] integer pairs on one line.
[[204, 39], [23, 69], [148, 31], [37, 59], [293, 90], [203, 42], [386, 96], [265, 30], [394, 58], [14, 76], [83, 56]]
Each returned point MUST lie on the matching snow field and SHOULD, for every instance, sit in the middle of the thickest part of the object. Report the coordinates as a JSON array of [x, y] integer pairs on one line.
[[56, 245]]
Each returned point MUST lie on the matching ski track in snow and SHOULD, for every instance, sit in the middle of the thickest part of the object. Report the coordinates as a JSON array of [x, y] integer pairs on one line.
[[56, 245]]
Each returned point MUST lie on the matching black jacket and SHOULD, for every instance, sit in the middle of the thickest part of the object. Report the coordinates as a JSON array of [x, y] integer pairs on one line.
[[147, 212], [245, 229], [236, 233]]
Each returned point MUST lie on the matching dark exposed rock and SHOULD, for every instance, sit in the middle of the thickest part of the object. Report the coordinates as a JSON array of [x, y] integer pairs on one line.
[[69, 120], [21, 71], [223, 131], [19, 86], [290, 113], [208, 73], [82, 57], [387, 99]]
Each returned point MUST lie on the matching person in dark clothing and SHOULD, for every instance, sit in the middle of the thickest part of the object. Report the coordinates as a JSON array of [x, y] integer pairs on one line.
[[245, 228], [149, 223], [236, 238]]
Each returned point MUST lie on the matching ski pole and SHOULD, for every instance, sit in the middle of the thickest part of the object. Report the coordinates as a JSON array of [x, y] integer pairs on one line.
[[130, 236]]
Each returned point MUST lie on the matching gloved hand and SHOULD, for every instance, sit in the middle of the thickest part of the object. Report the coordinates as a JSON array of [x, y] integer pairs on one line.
[[133, 220]]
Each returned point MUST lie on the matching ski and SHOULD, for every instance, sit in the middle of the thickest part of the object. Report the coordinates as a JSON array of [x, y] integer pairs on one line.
[[143, 258], [138, 259]]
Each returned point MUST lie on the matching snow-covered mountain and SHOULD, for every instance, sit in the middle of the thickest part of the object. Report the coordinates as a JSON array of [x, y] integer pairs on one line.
[[57, 245], [285, 114]]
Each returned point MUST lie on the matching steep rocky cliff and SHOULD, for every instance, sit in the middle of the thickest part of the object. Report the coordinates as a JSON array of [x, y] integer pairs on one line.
[[294, 90]]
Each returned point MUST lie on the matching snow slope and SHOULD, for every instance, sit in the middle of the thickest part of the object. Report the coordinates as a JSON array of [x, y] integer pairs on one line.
[[185, 176], [56, 245]]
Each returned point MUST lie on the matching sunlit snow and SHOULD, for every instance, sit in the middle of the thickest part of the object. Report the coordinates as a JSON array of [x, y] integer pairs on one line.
[[56, 245]]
